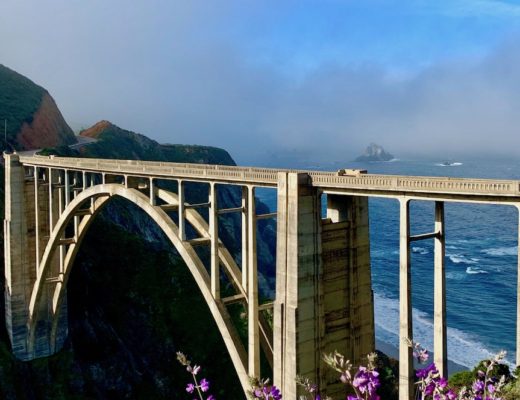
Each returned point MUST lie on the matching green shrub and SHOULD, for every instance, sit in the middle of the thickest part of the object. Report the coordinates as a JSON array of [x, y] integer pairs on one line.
[[461, 378]]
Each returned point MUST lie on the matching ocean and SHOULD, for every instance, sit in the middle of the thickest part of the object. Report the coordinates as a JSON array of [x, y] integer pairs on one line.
[[481, 261]]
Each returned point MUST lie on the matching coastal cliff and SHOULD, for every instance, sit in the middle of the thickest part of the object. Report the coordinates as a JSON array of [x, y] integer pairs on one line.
[[33, 118]]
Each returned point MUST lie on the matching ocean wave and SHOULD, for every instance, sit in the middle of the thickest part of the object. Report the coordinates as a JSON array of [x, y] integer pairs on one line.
[[462, 259], [501, 251], [455, 276], [474, 271], [420, 250], [455, 164], [463, 348]]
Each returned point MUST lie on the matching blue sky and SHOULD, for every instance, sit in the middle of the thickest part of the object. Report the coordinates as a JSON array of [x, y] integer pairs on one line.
[[398, 35], [314, 77]]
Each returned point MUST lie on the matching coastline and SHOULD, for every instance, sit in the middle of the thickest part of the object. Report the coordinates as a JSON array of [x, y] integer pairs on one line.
[[392, 351]]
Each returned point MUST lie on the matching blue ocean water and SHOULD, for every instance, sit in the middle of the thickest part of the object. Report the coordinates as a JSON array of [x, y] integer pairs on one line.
[[481, 262]]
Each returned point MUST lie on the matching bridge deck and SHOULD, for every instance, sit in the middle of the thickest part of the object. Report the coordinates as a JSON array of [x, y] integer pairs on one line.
[[419, 187]]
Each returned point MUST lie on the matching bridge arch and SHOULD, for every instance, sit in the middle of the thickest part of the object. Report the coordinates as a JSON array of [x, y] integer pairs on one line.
[[100, 196]]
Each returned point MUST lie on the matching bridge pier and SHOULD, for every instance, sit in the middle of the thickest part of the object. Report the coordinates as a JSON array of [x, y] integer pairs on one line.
[[323, 291]]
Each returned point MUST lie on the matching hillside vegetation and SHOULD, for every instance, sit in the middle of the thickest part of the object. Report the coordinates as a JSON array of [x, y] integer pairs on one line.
[[117, 143]]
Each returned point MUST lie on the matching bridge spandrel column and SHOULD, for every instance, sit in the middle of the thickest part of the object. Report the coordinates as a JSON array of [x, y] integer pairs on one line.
[[518, 293], [406, 387], [440, 349]]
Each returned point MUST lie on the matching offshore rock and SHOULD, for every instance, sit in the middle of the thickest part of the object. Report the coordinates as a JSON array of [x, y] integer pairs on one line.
[[374, 152]]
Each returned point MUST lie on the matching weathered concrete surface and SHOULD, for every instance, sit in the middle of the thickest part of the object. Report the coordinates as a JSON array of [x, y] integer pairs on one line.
[[348, 308], [24, 227], [324, 295]]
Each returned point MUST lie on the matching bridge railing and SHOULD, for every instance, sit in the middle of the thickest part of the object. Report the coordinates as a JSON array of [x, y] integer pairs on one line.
[[419, 184], [269, 176]]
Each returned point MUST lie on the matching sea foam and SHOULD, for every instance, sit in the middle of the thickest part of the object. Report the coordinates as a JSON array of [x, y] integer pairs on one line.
[[463, 349], [501, 251], [462, 259]]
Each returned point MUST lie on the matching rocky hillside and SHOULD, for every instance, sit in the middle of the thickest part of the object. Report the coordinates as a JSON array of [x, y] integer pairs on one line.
[[33, 119], [115, 142]]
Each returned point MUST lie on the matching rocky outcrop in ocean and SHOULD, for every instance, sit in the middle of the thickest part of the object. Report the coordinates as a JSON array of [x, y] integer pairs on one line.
[[374, 152]]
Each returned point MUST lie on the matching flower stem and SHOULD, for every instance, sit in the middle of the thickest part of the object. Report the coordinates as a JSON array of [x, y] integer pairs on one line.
[[197, 386]]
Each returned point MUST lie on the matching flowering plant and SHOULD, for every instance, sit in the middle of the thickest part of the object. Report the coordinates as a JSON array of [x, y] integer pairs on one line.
[[261, 390], [195, 387], [431, 385], [364, 382]]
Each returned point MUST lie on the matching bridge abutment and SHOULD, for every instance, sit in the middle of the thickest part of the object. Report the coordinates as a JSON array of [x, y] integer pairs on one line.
[[324, 297], [26, 231], [18, 268]]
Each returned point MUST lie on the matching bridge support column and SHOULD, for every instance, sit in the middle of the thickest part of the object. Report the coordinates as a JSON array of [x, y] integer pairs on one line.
[[323, 294], [213, 234], [182, 221], [406, 389], [518, 294], [245, 234], [440, 348], [253, 339]]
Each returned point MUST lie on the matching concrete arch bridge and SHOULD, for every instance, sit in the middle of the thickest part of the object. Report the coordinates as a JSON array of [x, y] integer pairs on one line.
[[323, 298]]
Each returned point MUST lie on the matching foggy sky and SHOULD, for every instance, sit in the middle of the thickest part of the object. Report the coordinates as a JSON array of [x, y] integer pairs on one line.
[[322, 78]]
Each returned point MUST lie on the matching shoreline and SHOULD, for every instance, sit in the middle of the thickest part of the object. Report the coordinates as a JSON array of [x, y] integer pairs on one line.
[[391, 351]]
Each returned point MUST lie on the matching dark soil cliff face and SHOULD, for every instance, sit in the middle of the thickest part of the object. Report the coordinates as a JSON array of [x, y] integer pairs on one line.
[[33, 119]]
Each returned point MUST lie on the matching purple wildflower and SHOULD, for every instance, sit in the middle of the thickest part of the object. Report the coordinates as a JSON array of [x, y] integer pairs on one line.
[[190, 387], [430, 369], [367, 381], [478, 386], [204, 385]]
